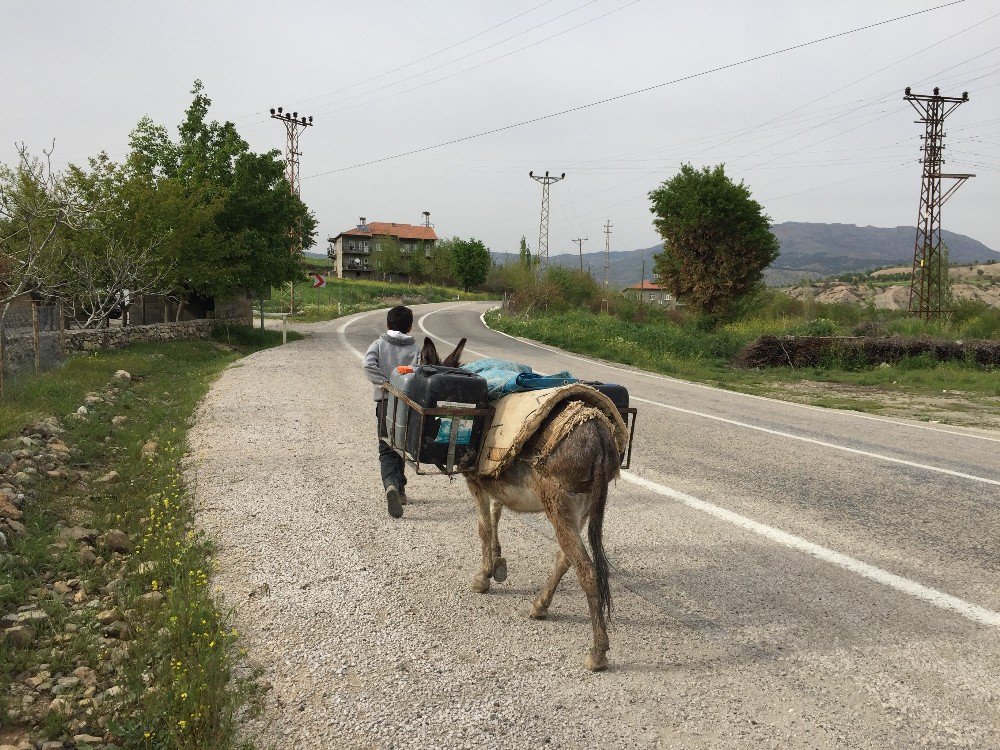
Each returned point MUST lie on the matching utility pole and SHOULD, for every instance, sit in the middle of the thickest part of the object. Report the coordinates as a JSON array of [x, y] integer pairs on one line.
[[607, 262], [579, 245], [543, 222], [927, 281], [293, 124]]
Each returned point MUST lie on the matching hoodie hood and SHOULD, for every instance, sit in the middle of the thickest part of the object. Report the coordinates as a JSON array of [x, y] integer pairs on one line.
[[397, 338]]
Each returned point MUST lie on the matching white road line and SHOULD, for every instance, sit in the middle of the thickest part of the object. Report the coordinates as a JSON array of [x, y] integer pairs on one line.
[[342, 332], [904, 585], [420, 325], [715, 389], [814, 441]]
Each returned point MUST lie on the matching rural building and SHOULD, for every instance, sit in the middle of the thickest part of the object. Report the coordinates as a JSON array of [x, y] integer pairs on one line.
[[351, 251], [651, 293]]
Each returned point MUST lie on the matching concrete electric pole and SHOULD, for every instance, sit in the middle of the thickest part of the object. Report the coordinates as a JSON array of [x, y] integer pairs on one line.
[[579, 246], [927, 284], [293, 125], [543, 222]]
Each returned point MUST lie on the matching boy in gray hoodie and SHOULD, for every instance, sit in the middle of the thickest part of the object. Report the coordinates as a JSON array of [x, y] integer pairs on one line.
[[393, 348]]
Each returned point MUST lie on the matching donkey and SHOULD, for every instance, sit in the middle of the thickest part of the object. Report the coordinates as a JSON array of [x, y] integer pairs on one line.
[[571, 487]]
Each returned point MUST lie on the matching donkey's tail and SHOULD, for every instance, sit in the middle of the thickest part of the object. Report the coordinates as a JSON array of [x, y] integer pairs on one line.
[[605, 470]]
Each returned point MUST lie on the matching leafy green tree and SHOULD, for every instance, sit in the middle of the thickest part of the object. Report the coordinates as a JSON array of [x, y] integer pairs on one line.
[[123, 245], [388, 258], [37, 208], [416, 264], [525, 254], [716, 239], [248, 248], [439, 264], [470, 262]]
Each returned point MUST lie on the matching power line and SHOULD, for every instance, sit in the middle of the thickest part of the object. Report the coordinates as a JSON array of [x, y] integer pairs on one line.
[[643, 90], [418, 60], [368, 102], [369, 92]]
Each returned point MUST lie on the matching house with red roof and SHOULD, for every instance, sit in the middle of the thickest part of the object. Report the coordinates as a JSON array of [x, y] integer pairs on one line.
[[352, 250], [651, 293]]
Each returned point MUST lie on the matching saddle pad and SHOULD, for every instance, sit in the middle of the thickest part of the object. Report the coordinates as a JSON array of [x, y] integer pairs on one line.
[[517, 417]]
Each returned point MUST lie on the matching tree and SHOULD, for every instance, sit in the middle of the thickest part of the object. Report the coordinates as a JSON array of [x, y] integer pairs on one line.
[[388, 258], [248, 248], [37, 206], [524, 253], [470, 262], [716, 239], [121, 247], [438, 266]]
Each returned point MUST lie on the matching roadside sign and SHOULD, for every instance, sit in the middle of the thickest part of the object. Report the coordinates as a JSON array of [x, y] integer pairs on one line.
[[318, 281]]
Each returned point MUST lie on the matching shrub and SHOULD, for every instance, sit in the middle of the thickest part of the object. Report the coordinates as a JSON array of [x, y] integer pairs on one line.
[[818, 327]]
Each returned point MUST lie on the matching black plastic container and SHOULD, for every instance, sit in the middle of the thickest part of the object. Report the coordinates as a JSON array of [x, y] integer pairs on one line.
[[617, 393], [441, 387]]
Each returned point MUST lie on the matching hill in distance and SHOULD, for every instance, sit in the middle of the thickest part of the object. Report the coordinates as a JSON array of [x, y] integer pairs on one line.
[[808, 250]]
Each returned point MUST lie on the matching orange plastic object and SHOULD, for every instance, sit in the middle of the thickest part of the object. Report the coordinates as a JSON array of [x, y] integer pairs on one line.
[[403, 369]]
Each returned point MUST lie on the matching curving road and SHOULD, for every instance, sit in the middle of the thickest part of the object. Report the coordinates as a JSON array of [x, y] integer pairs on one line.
[[785, 576]]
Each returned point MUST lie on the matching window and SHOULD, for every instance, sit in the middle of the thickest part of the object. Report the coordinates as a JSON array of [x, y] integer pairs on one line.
[[351, 246], [652, 296], [366, 247]]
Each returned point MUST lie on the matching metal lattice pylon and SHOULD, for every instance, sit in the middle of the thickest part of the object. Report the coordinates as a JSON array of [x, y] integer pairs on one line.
[[927, 283], [543, 221]]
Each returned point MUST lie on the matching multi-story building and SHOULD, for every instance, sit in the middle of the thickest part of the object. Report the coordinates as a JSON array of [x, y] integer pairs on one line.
[[352, 251], [651, 293]]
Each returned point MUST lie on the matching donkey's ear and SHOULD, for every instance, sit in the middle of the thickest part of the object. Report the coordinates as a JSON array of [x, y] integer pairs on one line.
[[455, 358], [429, 354]]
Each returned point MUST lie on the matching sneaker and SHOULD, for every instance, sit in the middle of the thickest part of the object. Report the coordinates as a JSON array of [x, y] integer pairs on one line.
[[394, 501]]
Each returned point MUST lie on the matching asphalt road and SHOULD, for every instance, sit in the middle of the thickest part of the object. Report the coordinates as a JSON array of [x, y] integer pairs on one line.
[[785, 576]]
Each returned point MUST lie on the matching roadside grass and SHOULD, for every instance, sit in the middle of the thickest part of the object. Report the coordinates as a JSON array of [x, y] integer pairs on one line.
[[175, 662], [348, 296], [686, 351]]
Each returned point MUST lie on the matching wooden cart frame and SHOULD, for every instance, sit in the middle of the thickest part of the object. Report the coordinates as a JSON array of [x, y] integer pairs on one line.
[[456, 414]]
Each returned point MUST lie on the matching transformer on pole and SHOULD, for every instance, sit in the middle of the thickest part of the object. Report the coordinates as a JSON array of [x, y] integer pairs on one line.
[[293, 124], [927, 283], [605, 306], [543, 222]]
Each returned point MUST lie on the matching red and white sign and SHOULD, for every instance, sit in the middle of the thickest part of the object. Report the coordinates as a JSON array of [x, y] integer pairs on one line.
[[318, 281]]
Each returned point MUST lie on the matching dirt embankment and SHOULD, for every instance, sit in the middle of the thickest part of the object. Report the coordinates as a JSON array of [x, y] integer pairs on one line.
[[894, 297]]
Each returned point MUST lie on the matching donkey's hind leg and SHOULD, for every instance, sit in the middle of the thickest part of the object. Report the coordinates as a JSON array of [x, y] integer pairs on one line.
[[499, 561], [566, 520], [481, 581]]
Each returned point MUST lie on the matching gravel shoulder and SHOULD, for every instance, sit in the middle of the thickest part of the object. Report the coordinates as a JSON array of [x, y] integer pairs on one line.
[[371, 639]]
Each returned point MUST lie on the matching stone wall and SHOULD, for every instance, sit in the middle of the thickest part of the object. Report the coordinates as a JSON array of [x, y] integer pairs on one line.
[[19, 339], [116, 338]]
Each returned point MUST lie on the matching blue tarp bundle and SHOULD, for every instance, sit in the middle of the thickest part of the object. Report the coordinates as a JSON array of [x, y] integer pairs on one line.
[[504, 377]]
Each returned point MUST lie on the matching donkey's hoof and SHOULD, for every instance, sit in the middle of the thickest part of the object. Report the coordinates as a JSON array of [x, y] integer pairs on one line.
[[597, 662], [500, 570], [538, 612], [480, 584]]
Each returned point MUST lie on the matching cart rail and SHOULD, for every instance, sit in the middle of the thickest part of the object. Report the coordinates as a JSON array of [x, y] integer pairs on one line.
[[456, 414]]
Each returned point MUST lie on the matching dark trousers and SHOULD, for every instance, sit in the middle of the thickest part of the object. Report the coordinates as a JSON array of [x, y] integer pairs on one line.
[[390, 462]]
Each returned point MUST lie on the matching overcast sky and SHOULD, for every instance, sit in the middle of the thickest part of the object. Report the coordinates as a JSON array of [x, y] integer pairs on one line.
[[818, 134]]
